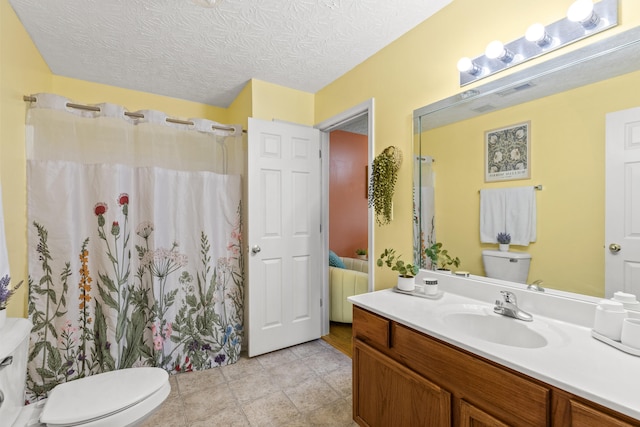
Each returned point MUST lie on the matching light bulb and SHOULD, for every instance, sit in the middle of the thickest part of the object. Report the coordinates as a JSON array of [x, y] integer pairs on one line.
[[466, 65], [582, 11], [496, 50], [536, 33]]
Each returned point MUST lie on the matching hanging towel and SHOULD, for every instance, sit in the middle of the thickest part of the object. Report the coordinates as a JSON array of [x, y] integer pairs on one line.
[[492, 214], [510, 210]]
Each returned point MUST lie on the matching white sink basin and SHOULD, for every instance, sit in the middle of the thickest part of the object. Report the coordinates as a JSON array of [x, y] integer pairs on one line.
[[480, 322]]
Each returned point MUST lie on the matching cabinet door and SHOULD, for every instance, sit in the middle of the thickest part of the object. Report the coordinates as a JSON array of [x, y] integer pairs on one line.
[[386, 393], [470, 416], [586, 416]]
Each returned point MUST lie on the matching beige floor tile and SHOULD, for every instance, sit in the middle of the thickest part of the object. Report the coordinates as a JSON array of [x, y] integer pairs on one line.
[[170, 414], [311, 394], [202, 405], [276, 358], [230, 417], [242, 368], [291, 374], [324, 362], [336, 414], [190, 382], [305, 385], [341, 380], [309, 348], [272, 410], [253, 387]]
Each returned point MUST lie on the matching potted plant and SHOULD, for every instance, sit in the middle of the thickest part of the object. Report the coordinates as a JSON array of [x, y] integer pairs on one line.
[[361, 253], [5, 294], [440, 258], [503, 240], [406, 272], [384, 173]]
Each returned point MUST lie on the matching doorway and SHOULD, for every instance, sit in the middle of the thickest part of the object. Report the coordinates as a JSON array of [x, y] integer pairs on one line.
[[359, 121]]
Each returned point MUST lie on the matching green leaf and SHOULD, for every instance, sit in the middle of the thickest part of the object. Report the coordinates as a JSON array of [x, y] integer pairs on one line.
[[52, 329], [52, 296], [106, 280], [191, 300], [108, 299], [45, 373], [37, 348]]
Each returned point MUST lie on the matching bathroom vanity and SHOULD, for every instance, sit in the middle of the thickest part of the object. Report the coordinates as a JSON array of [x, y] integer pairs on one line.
[[453, 362]]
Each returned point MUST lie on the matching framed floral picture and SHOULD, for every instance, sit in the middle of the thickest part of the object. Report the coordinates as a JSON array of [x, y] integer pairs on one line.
[[507, 153]]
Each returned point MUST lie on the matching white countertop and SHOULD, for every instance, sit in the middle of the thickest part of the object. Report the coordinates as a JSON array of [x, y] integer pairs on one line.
[[575, 362]]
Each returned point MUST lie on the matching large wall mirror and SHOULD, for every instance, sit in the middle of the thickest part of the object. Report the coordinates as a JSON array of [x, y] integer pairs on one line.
[[565, 100]]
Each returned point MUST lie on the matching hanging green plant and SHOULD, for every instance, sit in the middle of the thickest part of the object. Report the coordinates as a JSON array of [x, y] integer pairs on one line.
[[384, 172]]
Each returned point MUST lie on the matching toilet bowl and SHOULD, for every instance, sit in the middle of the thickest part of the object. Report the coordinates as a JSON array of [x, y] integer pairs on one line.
[[504, 265], [124, 397]]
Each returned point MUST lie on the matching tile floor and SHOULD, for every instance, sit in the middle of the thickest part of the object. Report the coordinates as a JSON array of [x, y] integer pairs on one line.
[[305, 385]]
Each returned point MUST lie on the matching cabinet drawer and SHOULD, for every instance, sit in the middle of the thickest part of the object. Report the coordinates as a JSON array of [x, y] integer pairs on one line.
[[511, 398], [371, 328]]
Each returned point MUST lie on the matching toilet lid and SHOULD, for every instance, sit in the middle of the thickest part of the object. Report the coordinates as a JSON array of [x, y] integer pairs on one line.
[[100, 395]]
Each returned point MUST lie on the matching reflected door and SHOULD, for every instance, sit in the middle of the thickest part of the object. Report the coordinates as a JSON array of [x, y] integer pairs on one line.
[[622, 212]]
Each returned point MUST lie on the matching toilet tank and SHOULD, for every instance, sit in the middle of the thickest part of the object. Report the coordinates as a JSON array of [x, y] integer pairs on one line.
[[14, 346], [511, 266]]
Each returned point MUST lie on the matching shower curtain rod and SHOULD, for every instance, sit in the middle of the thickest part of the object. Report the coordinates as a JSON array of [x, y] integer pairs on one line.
[[28, 98]]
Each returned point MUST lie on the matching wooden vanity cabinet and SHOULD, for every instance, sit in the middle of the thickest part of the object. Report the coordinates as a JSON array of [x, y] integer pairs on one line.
[[569, 410], [402, 377]]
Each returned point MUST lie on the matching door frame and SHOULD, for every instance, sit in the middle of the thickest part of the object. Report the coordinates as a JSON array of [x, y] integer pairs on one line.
[[325, 127]]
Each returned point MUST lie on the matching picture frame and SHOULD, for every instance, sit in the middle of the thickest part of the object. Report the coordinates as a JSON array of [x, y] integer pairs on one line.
[[507, 153]]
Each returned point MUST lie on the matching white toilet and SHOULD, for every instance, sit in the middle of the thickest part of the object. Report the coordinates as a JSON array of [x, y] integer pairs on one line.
[[511, 266], [120, 398]]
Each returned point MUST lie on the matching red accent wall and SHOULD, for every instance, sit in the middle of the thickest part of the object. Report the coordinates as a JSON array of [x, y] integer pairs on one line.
[[348, 204]]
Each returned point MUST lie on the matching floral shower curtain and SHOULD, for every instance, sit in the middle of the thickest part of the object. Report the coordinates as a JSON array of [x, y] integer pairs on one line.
[[424, 233], [135, 243]]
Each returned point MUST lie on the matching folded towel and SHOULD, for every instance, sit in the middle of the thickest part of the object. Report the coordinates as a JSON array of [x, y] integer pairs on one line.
[[510, 210]]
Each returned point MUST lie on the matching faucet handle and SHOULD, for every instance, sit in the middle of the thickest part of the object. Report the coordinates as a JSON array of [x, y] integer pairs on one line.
[[509, 297]]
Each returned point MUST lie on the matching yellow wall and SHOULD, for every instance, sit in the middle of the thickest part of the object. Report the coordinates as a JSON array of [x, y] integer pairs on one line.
[[270, 101], [567, 158], [241, 107], [22, 71], [420, 68], [85, 92]]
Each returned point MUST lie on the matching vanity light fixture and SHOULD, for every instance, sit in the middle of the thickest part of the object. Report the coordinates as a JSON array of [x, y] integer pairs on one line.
[[496, 50], [584, 18], [536, 33], [582, 11]]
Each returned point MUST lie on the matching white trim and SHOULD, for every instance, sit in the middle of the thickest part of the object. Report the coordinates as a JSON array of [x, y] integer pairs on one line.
[[326, 126]]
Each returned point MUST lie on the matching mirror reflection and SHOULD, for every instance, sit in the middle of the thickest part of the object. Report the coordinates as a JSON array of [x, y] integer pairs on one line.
[[567, 111]]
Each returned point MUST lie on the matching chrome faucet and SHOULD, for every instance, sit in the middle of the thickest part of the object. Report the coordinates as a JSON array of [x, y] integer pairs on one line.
[[535, 286], [509, 307]]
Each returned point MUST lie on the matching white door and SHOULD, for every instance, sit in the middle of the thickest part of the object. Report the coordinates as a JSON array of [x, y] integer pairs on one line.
[[284, 207], [622, 213]]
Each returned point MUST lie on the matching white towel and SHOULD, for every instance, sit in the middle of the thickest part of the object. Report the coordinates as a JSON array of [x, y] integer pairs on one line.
[[508, 210]]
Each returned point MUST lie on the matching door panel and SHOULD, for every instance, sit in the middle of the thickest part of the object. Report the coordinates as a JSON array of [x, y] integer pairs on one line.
[[284, 274], [622, 267]]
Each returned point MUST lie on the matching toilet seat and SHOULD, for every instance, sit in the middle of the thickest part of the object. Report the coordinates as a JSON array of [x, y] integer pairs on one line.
[[118, 397]]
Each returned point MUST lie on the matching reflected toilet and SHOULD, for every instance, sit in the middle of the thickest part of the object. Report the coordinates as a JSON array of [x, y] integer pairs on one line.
[[504, 265]]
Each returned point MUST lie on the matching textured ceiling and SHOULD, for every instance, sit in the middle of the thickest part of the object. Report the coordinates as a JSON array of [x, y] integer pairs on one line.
[[180, 49]]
